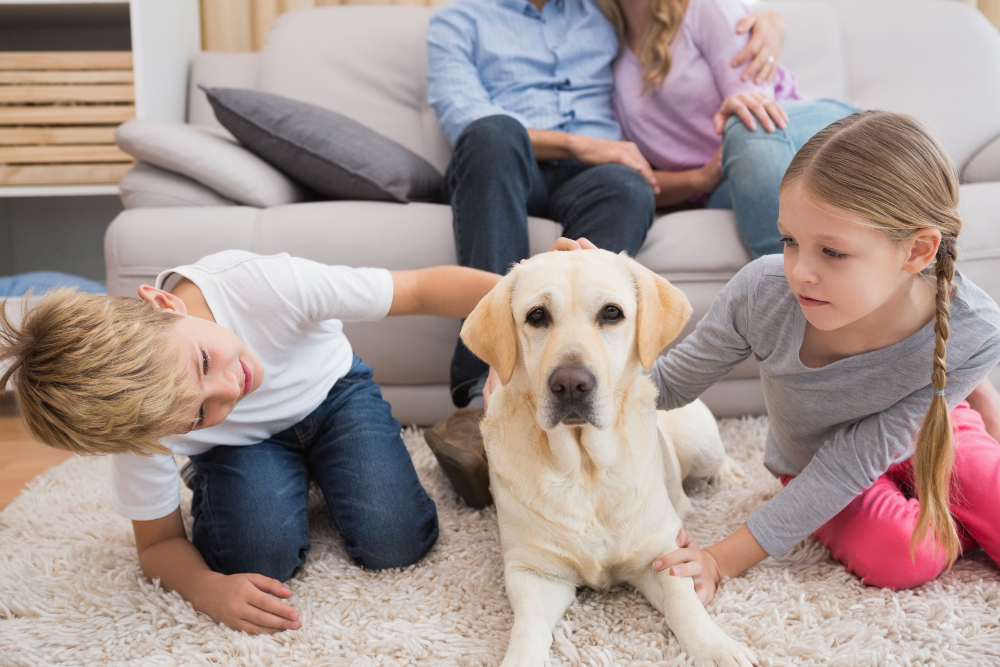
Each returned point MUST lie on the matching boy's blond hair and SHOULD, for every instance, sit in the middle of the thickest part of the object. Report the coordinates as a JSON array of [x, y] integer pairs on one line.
[[94, 374]]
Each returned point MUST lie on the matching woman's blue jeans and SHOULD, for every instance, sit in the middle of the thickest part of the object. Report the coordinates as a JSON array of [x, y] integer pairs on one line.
[[754, 162], [250, 502]]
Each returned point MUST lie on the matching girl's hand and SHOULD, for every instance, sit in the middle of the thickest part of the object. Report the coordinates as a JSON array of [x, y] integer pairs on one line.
[[708, 177], [690, 560], [748, 105], [563, 243], [244, 602], [767, 36]]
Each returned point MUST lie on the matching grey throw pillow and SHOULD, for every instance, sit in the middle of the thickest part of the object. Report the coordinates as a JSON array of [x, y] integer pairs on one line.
[[337, 157]]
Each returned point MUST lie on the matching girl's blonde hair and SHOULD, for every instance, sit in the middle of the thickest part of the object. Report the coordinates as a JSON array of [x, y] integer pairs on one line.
[[654, 52], [94, 374], [887, 170]]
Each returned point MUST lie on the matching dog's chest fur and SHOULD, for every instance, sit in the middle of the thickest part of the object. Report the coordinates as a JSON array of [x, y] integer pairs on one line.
[[580, 504]]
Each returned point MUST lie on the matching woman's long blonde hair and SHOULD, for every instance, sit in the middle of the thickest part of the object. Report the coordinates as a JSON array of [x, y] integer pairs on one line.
[[887, 170], [654, 53]]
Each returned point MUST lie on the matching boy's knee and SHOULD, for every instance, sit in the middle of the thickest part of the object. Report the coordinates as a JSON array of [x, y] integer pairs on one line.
[[398, 542], [272, 552]]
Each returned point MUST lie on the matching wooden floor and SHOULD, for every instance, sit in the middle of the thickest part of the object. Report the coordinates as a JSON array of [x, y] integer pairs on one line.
[[21, 458]]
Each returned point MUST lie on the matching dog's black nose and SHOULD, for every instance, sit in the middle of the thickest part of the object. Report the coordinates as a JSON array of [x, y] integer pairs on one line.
[[571, 382]]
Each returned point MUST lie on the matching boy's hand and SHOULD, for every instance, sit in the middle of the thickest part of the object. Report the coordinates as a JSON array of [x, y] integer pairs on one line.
[[244, 602], [563, 243], [690, 560]]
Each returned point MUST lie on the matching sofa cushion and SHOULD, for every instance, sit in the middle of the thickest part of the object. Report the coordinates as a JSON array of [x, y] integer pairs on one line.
[[368, 63], [206, 157], [327, 151], [146, 186]]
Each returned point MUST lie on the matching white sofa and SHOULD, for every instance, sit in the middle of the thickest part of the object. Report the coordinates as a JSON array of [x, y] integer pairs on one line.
[[936, 59]]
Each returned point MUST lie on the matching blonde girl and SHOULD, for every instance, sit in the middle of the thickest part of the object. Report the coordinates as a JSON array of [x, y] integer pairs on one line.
[[868, 341]]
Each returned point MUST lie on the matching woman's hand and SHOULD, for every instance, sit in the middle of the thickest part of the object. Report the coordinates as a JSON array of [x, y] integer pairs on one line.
[[748, 105], [708, 177], [690, 560], [767, 36]]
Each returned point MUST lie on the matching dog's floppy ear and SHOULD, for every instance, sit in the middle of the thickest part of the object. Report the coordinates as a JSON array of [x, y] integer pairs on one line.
[[663, 312], [489, 329]]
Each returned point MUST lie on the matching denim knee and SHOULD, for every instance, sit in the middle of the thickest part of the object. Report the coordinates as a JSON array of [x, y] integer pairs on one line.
[[494, 138], [268, 552], [634, 194], [397, 541]]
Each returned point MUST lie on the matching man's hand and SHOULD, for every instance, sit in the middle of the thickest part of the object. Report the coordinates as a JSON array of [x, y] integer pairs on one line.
[[767, 36], [592, 151], [244, 602], [748, 105], [690, 560]]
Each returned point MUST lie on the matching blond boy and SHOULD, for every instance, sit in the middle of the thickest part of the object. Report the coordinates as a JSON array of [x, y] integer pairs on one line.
[[239, 362]]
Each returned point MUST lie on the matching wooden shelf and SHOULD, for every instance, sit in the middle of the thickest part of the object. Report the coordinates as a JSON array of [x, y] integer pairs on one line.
[[57, 190]]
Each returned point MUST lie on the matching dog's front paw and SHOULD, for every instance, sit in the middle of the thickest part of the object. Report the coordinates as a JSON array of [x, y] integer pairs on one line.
[[732, 473], [721, 651]]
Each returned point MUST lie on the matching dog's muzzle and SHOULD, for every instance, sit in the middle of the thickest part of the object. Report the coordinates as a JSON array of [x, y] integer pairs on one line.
[[571, 386]]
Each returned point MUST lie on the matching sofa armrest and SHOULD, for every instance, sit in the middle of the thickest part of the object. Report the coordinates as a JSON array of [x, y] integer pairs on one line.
[[984, 165], [209, 159]]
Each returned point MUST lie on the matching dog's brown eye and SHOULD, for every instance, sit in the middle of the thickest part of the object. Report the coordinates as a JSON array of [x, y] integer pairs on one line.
[[611, 314], [538, 317]]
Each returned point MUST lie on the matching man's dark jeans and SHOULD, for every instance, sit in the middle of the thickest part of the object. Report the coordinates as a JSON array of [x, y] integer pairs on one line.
[[494, 183], [250, 503]]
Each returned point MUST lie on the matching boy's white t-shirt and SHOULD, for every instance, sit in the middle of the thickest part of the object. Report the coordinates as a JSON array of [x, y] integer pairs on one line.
[[289, 312]]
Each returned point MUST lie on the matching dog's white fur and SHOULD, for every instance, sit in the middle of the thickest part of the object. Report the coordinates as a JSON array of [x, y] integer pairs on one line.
[[591, 497]]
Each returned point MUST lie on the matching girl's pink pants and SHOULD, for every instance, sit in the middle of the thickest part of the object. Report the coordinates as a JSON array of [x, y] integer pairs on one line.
[[871, 536]]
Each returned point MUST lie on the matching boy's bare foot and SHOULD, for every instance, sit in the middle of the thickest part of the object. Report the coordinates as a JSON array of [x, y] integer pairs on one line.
[[458, 446]]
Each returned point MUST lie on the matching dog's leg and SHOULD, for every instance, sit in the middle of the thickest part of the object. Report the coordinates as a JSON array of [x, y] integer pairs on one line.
[[697, 633], [694, 434], [538, 603]]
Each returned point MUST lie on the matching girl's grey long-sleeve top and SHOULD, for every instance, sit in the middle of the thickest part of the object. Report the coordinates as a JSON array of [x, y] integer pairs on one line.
[[836, 428]]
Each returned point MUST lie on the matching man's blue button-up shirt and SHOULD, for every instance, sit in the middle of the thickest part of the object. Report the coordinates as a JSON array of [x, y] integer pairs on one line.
[[551, 70]]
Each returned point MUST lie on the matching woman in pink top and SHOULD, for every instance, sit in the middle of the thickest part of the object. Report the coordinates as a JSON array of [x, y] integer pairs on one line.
[[680, 101]]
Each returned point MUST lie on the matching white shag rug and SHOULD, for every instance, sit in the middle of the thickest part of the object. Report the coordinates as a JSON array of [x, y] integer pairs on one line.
[[72, 593]]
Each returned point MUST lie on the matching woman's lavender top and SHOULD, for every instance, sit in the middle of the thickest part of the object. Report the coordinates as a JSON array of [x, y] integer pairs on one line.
[[672, 123]]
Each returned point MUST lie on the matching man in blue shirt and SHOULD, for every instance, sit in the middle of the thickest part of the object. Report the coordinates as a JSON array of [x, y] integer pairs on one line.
[[523, 92]]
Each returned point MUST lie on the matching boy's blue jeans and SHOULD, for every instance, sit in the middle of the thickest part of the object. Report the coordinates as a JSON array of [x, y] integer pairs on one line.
[[249, 503], [754, 162]]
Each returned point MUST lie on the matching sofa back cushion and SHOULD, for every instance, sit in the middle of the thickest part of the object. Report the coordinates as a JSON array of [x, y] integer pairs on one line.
[[368, 63], [939, 61]]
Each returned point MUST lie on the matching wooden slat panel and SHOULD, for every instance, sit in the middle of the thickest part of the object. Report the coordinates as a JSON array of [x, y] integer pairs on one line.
[[24, 136], [66, 174], [68, 115], [46, 94], [65, 76], [60, 154], [35, 60]]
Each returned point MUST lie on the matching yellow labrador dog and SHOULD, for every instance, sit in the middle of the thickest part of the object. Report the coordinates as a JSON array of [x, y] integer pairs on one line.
[[585, 472]]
